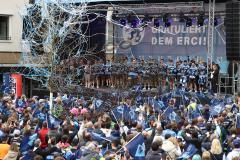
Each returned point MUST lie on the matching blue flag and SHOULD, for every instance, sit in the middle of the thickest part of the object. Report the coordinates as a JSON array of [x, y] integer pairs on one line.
[[158, 105], [118, 113], [171, 115], [52, 121], [216, 110], [98, 137], [136, 147], [238, 120], [190, 151], [98, 103]]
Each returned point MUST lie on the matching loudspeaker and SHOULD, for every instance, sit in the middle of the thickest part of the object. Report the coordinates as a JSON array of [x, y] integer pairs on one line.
[[232, 25]]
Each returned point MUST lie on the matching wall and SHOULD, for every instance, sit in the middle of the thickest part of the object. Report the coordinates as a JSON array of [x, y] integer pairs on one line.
[[12, 48]]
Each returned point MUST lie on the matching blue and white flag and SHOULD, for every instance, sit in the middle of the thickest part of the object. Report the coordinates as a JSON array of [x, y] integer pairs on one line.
[[53, 122], [118, 113], [158, 105], [136, 147], [171, 115], [238, 120], [97, 103], [129, 113], [216, 110], [98, 137], [190, 151]]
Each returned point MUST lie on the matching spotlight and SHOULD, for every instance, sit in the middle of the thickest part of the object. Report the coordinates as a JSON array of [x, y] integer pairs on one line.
[[135, 23], [200, 20], [123, 22], [217, 21], [167, 20], [182, 18], [156, 23], [188, 22], [145, 21], [167, 24]]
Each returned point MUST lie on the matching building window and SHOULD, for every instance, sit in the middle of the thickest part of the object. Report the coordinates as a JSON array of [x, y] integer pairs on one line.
[[4, 28]]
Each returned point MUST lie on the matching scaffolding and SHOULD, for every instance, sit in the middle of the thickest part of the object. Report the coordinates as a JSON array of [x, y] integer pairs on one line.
[[230, 84]]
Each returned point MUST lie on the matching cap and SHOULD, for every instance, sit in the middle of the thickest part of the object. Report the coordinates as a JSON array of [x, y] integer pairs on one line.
[[236, 142]]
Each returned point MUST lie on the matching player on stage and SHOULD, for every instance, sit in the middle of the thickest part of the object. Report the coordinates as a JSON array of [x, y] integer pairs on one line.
[[192, 72], [171, 73]]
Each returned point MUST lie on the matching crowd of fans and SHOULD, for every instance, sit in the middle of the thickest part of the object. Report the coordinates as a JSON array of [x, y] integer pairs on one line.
[[28, 131]]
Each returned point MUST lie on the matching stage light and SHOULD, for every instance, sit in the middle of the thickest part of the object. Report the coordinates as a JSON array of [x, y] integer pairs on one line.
[[182, 18], [123, 22], [200, 20], [188, 22], [156, 22], [167, 20], [135, 23], [215, 21], [167, 24], [145, 21]]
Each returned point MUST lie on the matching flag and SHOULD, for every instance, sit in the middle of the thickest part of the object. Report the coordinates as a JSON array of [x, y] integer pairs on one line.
[[53, 122], [171, 115], [158, 105], [215, 110], [97, 103], [190, 151], [98, 137], [238, 120], [118, 113], [129, 113], [136, 147]]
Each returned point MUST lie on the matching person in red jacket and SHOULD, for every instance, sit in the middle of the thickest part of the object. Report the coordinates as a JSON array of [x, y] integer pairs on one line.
[[42, 135]]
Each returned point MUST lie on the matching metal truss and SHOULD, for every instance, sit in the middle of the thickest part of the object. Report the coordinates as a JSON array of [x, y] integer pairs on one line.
[[211, 16]]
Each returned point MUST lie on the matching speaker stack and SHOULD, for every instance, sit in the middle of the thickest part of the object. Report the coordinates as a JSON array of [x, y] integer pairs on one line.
[[232, 24]]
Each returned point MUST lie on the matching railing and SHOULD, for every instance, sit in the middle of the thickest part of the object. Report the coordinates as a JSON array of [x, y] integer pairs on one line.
[[227, 84]]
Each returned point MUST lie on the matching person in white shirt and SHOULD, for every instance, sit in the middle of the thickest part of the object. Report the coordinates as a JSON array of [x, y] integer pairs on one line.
[[235, 153]]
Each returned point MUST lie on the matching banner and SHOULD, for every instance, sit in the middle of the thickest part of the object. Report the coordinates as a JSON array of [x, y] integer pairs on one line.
[[17, 79], [177, 41]]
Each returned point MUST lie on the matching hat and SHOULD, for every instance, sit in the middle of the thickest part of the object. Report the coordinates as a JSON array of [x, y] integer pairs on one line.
[[236, 142], [41, 100], [74, 111], [84, 110], [16, 132], [196, 157]]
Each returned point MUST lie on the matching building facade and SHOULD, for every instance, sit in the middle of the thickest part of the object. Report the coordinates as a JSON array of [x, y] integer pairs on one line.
[[11, 32]]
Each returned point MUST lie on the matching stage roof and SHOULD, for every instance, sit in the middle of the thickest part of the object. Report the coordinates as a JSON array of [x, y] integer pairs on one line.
[[124, 1]]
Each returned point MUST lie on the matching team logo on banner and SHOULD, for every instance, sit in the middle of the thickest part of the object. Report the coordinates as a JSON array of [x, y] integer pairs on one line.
[[131, 37]]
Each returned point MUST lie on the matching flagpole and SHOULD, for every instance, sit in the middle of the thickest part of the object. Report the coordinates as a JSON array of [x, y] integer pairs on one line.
[[51, 101]]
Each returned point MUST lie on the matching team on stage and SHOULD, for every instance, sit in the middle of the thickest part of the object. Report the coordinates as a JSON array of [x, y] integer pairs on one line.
[[188, 74]]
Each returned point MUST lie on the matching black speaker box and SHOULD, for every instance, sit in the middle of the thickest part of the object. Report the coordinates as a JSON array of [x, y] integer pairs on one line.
[[232, 25]]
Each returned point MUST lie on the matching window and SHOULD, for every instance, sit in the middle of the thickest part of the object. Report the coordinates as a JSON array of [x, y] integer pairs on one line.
[[4, 28]]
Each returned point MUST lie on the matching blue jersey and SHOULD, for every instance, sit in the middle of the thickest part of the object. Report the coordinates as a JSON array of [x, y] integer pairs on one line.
[[184, 68], [202, 79], [171, 69], [192, 72]]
